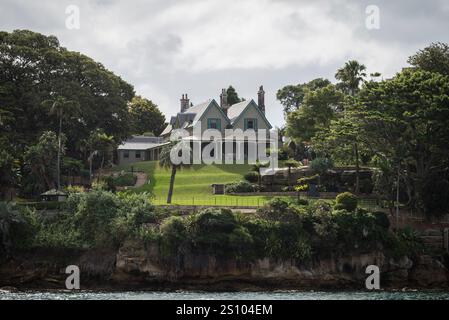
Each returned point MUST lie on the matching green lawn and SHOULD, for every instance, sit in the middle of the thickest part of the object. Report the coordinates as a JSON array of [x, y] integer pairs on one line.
[[193, 185]]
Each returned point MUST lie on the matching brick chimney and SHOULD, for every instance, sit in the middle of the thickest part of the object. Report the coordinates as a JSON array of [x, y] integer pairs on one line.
[[185, 103], [261, 99], [224, 101]]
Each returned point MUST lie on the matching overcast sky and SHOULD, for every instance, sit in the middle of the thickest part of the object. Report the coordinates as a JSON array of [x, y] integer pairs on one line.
[[166, 48]]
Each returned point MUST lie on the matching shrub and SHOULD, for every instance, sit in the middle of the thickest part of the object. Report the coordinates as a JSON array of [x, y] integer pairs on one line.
[[124, 180], [321, 165], [94, 216], [252, 176], [173, 234], [346, 201], [382, 219], [240, 187]]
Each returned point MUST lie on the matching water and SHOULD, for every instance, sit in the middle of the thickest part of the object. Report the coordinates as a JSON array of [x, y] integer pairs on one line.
[[184, 295]]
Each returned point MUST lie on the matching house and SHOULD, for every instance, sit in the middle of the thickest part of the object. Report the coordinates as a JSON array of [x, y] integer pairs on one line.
[[245, 115], [139, 148], [211, 115]]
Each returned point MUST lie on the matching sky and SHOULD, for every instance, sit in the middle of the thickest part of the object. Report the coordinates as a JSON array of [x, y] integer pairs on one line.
[[166, 48]]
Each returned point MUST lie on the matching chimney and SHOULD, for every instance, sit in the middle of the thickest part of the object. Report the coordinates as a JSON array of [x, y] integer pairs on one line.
[[224, 101], [185, 103], [261, 99]]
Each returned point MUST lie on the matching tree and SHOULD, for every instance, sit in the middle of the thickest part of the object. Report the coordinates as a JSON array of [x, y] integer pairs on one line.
[[351, 76], [34, 68], [233, 96], [406, 120], [99, 144], [146, 116], [292, 96], [434, 58], [41, 162], [62, 108], [165, 161], [344, 140], [291, 163], [318, 109]]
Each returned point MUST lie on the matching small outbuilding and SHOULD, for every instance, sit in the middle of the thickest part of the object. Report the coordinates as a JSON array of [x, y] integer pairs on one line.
[[54, 195]]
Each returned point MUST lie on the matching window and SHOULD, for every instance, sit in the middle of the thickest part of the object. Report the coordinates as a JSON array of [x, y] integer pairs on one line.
[[214, 124], [250, 124], [137, 154], [126, 154]]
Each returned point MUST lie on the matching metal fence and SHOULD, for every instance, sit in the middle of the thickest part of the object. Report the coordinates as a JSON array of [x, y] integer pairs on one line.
[[248, 201]]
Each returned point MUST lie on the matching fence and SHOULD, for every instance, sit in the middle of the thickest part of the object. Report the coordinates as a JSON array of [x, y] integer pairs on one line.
[[247, 201]]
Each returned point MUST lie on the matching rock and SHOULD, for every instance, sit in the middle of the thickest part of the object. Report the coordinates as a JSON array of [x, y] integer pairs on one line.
[[7, 289], [429, 272]]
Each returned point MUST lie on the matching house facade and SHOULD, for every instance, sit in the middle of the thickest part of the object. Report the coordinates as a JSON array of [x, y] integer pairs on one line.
[[245, 115], [220, 116]]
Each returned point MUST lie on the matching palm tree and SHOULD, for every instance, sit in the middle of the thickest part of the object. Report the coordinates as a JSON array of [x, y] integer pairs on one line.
[[351, 76], [291, 163], [256, 167], [165, 161], [62, 108]]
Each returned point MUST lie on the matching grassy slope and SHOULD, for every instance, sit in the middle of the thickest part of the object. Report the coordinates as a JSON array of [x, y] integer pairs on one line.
[[193, 185]]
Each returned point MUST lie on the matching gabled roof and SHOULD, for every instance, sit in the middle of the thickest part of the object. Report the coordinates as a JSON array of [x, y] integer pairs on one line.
[[236, 111]]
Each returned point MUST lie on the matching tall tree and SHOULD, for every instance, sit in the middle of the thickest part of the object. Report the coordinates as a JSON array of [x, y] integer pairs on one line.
[[165, 161], [351, 76], [63, 109], [292, 96], [434, 58], [318, 109], [146, 117], [406, 120], [233, 96]]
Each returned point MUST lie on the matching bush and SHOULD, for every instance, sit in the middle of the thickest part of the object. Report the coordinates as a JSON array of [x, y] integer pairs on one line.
[[94, 216], [173, 234], [252, 176], [125, 180], [321, 165], [240, 187], [382, 219], [346, 201]]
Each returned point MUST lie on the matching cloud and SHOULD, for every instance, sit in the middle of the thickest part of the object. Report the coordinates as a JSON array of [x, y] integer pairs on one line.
[[166, 48]]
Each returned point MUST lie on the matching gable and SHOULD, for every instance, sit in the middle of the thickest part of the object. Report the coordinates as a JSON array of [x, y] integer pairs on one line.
[[251, 111]]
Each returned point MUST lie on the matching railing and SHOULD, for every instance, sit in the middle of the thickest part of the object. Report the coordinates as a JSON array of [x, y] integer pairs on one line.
[[247, 201], [216, 201]]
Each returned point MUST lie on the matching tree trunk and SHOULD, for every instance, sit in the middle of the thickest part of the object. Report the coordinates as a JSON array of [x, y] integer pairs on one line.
[[357, 168], [58, 169], [289, 178], [172, 183]]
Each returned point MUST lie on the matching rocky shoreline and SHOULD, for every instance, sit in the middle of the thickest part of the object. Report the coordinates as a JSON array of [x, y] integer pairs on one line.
[[138, 267]]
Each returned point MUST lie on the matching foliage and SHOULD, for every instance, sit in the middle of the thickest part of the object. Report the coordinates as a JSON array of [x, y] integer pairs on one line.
[[434, 58], [146, 117], [292, 96], [124, 180], [351, 76], [346, 201], [321, 165], [233, 96], [41, 161], [240, 187], [319, 107], [252, 176]]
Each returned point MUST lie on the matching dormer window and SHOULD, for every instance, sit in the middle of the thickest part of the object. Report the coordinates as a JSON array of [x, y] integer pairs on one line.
[[250, 124], [214, 124]]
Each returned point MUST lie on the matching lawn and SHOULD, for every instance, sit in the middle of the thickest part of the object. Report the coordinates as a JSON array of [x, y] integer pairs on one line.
[[193, 184]]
